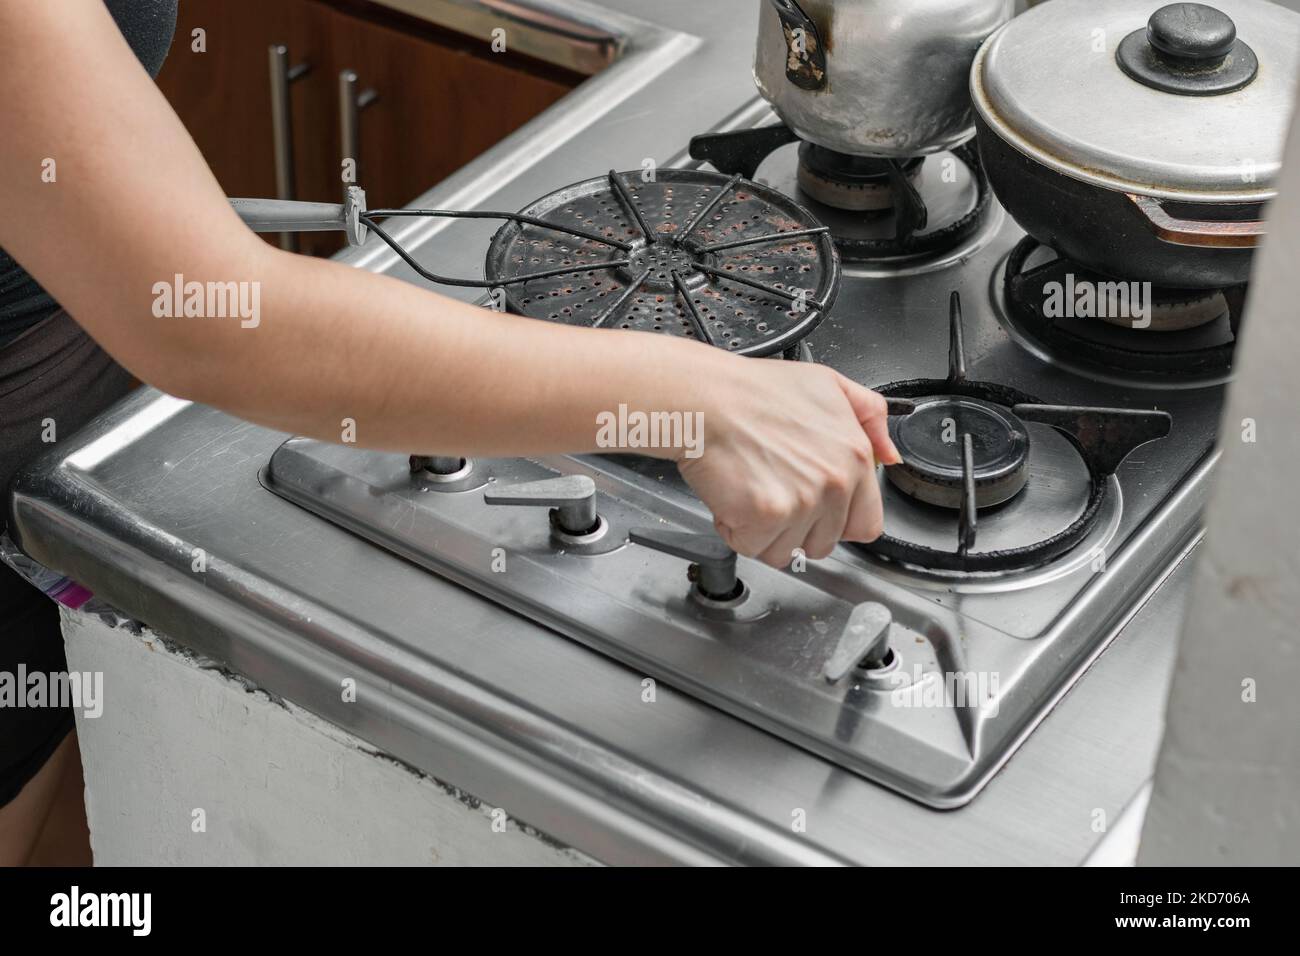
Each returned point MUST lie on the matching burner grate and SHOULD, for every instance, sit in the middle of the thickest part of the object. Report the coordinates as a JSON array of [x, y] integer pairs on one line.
[[857, 191], [1103, 438], [1179, 343]]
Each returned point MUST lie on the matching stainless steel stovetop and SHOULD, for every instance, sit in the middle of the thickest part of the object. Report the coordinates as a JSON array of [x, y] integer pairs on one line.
[[977, 660]]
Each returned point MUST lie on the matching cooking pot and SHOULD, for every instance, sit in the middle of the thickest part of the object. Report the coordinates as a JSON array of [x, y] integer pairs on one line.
[[1142, 143], [885, 78]]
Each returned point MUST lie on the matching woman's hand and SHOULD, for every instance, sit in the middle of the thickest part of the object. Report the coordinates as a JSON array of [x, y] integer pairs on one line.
[[789, 459]]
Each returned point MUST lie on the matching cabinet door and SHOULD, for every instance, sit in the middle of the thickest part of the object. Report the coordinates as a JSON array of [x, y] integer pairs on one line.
[[222, 93], [442, 98]]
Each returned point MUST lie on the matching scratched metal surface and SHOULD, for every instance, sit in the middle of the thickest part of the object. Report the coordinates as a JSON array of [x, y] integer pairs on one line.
[[505, 709]]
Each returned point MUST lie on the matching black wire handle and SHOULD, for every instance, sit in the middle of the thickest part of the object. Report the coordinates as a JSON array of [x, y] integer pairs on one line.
[[489, 282]]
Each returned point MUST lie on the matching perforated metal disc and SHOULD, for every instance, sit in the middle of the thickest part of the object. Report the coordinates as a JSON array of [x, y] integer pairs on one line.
[[677, 284]]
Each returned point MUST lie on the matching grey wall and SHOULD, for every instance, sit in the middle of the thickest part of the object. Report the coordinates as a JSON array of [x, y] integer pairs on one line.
[[1227, 785]]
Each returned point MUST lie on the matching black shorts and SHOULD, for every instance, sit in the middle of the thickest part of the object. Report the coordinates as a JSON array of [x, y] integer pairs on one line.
[[29, 635], [52, 371]]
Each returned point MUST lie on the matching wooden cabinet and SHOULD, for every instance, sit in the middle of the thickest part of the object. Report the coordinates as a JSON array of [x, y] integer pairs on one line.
[[441, 98]]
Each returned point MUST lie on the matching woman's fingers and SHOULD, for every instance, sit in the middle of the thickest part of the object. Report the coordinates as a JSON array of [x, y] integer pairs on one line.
[[781, 552], [866, 520], [813, 528], [751, 540], [872, 412], [828, 528]]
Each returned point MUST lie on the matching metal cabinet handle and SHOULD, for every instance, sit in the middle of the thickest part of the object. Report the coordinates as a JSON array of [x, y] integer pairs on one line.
[[351, 103], [282, 75]]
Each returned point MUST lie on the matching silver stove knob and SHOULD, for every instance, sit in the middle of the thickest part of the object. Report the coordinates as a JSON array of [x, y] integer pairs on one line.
[[713, 563], [864, 641], [572, 499]]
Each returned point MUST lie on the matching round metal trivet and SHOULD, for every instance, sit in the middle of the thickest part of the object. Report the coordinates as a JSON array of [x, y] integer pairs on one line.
[[692, 253]]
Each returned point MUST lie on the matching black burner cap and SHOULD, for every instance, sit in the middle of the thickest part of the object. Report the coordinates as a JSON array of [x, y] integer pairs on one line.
[[930, 441]]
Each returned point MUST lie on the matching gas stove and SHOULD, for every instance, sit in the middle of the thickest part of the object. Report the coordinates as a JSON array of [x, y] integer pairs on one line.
[[920, 662]]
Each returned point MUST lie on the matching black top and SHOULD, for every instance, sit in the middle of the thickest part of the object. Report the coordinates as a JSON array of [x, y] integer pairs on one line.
[[148, 26]]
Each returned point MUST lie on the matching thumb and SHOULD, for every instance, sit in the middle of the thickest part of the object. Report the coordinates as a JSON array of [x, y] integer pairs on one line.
[[873, 415]]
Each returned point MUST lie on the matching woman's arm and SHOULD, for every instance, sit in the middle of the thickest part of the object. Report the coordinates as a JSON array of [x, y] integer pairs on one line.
[[788, 449]]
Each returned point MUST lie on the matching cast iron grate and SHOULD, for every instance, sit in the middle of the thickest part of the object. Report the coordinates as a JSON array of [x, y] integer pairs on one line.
[[1157, 353], [743, 152], [1103, 437]]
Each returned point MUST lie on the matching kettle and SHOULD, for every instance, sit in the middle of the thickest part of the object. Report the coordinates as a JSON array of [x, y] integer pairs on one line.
[[883, 78]]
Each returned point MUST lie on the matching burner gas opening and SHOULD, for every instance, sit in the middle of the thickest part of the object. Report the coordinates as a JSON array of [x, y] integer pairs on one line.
[[854, 183]]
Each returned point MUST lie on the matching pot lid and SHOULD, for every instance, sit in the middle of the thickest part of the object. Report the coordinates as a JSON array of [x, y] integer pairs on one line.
[[1191, 104]]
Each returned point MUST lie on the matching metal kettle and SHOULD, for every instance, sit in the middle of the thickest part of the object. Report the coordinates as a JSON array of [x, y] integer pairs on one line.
[[886, 78]]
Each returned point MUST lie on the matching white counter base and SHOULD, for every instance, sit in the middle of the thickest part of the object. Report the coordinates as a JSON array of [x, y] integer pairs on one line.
[[274, 784]]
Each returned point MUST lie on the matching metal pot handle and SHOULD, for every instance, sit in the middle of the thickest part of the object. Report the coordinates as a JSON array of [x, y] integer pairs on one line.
[[805, 66], [1218, 234]]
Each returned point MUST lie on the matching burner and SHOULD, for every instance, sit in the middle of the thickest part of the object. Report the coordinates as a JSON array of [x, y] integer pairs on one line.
[[691, 253], [930, 441], [854, 183], [1176, 310], [966, 445], [876, 208], [1183, 332]]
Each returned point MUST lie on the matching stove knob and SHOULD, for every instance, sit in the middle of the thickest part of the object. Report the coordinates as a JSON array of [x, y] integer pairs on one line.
[[571, 498], [863, 642], [713, 564]]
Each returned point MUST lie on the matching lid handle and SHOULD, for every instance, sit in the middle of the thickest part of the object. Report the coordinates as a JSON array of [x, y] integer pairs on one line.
[[1192, 31], [1190, 49]]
